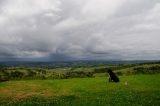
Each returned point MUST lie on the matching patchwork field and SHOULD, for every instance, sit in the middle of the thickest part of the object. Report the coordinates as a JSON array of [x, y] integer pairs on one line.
[[133, 90]]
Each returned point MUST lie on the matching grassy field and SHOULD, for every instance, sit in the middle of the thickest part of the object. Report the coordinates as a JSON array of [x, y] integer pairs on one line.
[[141, 90]]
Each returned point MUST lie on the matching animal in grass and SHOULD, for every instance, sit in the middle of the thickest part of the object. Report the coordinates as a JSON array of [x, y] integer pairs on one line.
[[112, 76]]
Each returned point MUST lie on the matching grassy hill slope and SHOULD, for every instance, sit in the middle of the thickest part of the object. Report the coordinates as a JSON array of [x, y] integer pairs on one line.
[[140, 90]]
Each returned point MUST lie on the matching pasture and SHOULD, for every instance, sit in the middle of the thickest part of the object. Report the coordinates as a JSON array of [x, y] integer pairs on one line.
[[141, 90]]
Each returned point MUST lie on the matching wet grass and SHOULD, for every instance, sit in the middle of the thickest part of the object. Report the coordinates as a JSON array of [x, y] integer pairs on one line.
[[141, 90]]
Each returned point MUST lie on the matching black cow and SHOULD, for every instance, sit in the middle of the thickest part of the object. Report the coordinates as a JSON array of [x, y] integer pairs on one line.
[[112, 76]]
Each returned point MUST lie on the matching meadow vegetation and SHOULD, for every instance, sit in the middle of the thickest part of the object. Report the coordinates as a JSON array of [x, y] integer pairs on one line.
[[80, 85]]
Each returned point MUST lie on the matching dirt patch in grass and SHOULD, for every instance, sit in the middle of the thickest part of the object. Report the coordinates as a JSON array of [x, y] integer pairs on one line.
[[23, 89], [28, 95]]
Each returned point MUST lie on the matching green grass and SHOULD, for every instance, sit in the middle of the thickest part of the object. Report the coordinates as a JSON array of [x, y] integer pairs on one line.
[[142, 90]]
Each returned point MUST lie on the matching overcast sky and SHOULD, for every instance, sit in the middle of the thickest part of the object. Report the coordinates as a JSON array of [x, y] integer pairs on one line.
[[80, 29]]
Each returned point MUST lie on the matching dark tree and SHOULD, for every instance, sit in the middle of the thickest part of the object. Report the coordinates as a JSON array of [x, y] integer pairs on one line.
[[16, 74]]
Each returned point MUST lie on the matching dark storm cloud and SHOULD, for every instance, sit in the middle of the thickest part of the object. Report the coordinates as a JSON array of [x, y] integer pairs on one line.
[[82, 29]]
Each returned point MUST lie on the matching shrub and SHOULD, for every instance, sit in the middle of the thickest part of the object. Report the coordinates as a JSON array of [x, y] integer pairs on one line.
[[16, 75], [100, 70], [79, 74], [31, 73]]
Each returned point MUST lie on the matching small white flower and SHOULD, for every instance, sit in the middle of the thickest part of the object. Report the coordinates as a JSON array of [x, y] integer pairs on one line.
[[126, 83]]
